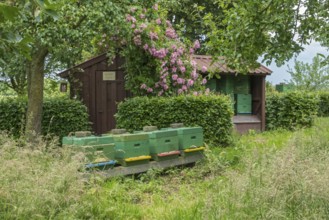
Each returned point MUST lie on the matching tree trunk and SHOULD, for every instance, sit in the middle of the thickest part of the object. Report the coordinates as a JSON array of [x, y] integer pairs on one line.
[[35, 82]]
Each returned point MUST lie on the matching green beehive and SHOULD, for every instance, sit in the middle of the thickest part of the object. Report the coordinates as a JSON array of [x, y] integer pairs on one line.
[[98, 153], [190, 140], [132, 149], [83, 141], [105, 139], [68, 140], [226, 84], [164, 144], [242, 84], [243, 103]]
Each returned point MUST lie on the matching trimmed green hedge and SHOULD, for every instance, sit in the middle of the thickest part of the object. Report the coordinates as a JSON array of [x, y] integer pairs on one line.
[[60, 116], [213, 113], [291, 110], [323, 104]]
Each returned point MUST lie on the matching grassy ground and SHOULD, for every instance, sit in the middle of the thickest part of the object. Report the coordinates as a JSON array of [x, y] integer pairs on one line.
[[273, 175]]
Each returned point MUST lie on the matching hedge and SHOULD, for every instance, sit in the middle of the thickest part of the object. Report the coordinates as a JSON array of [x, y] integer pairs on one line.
[[323, 104], [291, 110], [60, 116], [213, 113]]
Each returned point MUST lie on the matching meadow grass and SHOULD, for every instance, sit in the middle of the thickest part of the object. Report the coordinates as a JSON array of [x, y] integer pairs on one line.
[[272, 175]]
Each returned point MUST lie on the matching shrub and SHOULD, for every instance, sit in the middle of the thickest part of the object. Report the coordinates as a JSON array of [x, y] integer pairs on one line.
[[290, 110], [323, 104], [60, 116], [212, 113]]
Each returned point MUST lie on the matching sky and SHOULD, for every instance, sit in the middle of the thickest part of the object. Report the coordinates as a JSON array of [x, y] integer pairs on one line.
[[280, 74]]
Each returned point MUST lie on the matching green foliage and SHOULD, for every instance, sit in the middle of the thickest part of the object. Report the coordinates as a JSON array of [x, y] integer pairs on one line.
[[243, 31], [310, 77], [60, 116], [291, 110], [213, 113], [323, 104]]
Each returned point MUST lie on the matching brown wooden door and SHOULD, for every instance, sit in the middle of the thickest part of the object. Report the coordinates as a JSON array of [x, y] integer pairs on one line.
[[109, 91]]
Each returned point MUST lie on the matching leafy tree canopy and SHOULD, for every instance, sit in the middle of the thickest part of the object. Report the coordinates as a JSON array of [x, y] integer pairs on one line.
[[310, 77]]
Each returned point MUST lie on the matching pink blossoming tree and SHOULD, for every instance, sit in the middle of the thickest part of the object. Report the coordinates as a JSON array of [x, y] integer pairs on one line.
[[157, 62]]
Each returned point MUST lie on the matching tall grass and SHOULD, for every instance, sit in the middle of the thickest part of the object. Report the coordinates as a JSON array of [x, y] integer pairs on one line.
[[37, 181], [273, 175]]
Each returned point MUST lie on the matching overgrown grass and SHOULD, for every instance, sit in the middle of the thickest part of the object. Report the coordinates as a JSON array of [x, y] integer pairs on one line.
[[37, 181], [273, 175]]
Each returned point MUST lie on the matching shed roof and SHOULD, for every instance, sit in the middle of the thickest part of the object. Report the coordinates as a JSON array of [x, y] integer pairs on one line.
[[220, 66], [201, 60]]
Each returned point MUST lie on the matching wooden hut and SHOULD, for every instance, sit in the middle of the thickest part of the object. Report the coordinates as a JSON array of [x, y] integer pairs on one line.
[[100, 86]]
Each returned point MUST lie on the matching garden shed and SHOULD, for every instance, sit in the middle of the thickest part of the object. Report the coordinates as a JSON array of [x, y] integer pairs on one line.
[[100, 85]]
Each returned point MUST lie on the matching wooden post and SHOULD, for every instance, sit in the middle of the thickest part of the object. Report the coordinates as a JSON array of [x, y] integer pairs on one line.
[[263, 103]]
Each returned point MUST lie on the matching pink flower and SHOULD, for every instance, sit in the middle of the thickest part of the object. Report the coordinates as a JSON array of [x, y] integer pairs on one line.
[[174, 77], [153, 35], [165, 87], [160, 93], [174, 69], [207, 91], [180, 81], [196, 44], [179, 91], [138, 40], [191, 51], [194, 75], [158, 21], [128, 17], [143, 86], [195, 93], [168, 23], [180, 51], [174, 55], [171, 33], [204, 81], [190, 82], [142, 16], [193, 63], [162, 53], [155, 7], [204, 69], [145, 46], [174, 47], [133, 20], [182, 69], [136, 31], [149, 90], [180, 62], [143, 26], [133, 26], [152, 50], [156, 85], [184, 88]]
